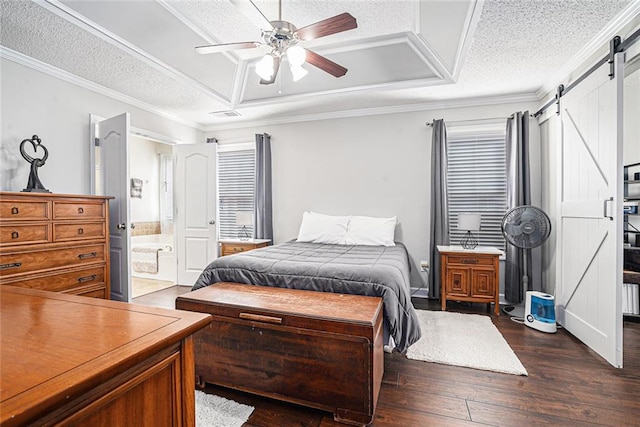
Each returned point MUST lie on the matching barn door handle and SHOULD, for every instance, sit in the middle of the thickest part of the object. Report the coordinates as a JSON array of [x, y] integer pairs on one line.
[[607, 203]]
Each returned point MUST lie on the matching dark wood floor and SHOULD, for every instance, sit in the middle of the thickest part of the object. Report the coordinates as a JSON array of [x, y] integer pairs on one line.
[[568, 384]]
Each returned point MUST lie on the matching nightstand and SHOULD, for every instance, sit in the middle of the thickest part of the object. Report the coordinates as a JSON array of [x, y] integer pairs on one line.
[[470, 275], [230, 247]]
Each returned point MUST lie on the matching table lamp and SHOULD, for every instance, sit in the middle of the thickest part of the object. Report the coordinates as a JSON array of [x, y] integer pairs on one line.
[[469, 222], [243, 219]]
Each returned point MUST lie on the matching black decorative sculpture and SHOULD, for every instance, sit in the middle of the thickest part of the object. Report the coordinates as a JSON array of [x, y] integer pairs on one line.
[[34, 184]]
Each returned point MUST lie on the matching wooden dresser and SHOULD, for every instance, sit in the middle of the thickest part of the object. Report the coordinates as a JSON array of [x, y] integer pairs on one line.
[[230, 247], [55, 242], [470, 275], [68, 360]]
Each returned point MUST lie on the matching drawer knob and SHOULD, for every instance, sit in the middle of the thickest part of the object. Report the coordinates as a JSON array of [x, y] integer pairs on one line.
[[15, 235], [11, 265], [14, 211], [80, 231], [86, 278], [80, 210], [89, 255]]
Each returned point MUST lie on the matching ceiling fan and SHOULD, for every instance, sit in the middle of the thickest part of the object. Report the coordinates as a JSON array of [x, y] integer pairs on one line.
[[283, 37]]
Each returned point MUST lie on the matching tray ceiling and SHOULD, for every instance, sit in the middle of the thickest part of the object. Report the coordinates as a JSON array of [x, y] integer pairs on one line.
[[403, 52]]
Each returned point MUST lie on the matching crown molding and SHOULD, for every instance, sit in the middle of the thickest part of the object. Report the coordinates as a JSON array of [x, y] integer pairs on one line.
[[70, 15], [419, 48], [406, 108], [207, 36], [34, 64], [464, 45], [626, 16]]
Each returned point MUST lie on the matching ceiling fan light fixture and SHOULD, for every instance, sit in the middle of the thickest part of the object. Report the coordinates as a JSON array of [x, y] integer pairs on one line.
[[296, 55], [264, 67], [298, 72]]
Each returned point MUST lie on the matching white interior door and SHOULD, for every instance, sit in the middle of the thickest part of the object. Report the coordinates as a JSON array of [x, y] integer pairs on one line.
[[589, 250], [114, 162], [195, 198]]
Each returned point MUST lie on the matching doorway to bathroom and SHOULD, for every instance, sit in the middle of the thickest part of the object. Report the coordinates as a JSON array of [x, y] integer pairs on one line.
[[153, 258]]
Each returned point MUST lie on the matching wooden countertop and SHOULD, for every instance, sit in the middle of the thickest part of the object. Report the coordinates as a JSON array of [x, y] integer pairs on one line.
[[55, 347]]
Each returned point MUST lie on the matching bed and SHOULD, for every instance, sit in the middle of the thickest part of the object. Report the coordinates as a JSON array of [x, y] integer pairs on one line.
[[341, 268]]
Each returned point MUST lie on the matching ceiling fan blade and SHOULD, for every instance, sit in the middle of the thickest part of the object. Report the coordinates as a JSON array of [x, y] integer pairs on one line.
[[276, 67], [326, 27], [225, 47], [325, 64], [251, 11]]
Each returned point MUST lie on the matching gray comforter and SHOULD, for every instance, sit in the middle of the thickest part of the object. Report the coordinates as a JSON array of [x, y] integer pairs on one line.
[[362, 270]]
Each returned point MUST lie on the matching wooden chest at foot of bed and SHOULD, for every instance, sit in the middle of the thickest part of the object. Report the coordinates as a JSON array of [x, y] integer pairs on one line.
[[316, 349]]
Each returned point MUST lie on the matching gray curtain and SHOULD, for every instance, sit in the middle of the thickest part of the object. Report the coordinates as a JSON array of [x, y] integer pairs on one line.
[[439, 203], [262, 200], [518, 194]]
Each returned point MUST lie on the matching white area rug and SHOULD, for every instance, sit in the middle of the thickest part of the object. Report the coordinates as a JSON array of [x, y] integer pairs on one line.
[[469, 340], [216, 411]]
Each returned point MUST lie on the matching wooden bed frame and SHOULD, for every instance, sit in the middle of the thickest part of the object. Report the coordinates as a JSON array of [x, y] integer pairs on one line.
[[316, 349]]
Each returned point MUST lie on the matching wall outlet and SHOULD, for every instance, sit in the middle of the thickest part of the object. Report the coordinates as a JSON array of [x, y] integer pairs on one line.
[[424, 265]]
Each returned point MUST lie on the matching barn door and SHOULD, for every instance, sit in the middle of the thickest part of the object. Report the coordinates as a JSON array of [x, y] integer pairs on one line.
[[589, 250]]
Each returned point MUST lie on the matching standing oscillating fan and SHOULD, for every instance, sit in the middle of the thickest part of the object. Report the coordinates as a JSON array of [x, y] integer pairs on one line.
[[525, 227]]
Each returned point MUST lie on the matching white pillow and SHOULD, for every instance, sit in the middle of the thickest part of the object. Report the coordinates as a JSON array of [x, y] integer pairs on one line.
[[319, 228], [364, 230]]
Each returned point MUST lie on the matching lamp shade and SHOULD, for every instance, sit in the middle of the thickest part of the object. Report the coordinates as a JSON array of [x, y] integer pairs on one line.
[[244, 218], [469, 221]]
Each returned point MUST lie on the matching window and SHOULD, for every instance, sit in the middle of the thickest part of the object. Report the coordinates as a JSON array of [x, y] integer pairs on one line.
[[166, 193], [236, 187], [477, 180]]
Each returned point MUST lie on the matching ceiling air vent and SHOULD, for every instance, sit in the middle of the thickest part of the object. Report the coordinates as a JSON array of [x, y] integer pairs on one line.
[[226, 113]]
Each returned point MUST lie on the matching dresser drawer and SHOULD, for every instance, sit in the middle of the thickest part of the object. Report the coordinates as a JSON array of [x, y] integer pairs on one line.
[[21, 263], [78, 231], [65, 281], [78, 210], [24, 210], [24, 234], [91, 292], [228, 249], [470, 260]]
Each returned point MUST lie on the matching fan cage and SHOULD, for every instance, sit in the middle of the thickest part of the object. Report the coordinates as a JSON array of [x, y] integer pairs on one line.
[[526, 227]]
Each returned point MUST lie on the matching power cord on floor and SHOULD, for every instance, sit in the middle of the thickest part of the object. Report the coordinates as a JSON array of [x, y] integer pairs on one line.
[[424, 270]]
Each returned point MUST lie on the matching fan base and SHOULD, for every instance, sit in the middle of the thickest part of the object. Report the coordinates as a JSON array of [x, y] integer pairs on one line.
[[514, 310]]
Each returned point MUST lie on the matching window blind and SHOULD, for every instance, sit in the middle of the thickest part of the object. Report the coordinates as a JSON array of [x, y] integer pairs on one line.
[[236, 187], [477, 183]]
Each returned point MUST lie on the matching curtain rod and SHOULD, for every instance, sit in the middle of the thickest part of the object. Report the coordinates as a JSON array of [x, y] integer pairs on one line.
[[240, 139], [473, 120]]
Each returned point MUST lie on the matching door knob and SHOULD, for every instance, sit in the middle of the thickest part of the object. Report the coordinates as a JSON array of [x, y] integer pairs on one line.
[[121, 226], [212, 222]]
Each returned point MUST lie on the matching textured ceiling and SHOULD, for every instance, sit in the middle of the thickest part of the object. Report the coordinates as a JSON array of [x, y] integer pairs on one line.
[[404, 52]]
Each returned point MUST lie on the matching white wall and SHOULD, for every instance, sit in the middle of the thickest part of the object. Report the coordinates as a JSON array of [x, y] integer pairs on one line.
[[376, 165], [58, 112]]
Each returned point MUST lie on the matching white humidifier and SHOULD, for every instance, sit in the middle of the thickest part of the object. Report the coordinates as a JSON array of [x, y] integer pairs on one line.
[[540, 311]]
